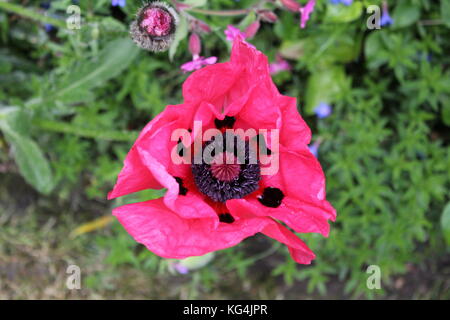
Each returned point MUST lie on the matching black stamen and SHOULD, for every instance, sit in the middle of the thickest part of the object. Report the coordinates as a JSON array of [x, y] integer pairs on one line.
[[183, 191], [226, 218], [220, 191], [271, 197], [262, 146], [227, 122], [180, 148]]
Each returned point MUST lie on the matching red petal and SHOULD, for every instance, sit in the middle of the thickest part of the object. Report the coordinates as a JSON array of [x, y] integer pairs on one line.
[[294, 132], [298, 249], [166, 234], [300, 176], [155, 137]]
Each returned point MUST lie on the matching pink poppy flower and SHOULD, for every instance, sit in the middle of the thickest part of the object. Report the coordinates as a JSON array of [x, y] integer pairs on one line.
[[197, 63], [305, 12], [209, 207]]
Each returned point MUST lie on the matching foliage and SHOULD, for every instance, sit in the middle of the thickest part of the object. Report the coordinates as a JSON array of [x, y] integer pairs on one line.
[[73, 101]]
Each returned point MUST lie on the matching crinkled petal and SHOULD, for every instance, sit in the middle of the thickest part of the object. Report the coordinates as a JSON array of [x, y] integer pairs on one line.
[[298, 249], [170, 236], [155, 136], [209, 83], [294, 132], [186, 206], [302, 182], [300, 176]]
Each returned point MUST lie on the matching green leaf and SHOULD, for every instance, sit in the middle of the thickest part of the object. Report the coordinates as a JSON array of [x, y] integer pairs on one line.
[[197, 262], [375, 50], [323, 86], [84, 76], [292, 49], [446, 114], [445, 12], [445, 223], [28, 13], [180, 34], [195, 3], [62, 127], [31, 161], [405, 15], [342, 14]]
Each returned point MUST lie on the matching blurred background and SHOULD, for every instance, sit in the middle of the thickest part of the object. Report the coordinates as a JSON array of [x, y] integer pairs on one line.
[[72, 101]]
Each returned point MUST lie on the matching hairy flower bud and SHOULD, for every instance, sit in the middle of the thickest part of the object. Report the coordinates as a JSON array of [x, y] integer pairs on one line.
[[252, 29], [155, 25], [201, 27], [292, 5], [268, 16], [195, 45]]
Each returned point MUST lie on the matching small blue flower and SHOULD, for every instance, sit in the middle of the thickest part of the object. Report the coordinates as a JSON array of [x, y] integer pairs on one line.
[[48, 27], [118, 3], [314, 149], [323, 110], [45, 5], [385, 19], [345, 2]]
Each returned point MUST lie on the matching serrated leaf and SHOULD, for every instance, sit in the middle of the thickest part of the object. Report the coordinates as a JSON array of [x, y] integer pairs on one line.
[[84, 76], [405, 15], [446, 114], [180, 34], [445, 223], [31, 161], [374, 50], [445, 12]]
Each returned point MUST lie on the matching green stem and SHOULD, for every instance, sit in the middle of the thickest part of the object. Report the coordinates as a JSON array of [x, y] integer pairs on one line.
[[222, 13], [61, 127], [431, 22], [17, 9]]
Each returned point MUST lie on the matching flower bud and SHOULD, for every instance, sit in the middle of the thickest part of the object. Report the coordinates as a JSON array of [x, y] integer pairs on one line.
[[155, 26], [200, 26], [291, 5], [268, 16], [252, 29], [195, 45]]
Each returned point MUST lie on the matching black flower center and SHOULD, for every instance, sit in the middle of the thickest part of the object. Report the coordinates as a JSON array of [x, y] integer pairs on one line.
[[271, 197], [183, 190], [226, 218], [227, 122], [228, 168]]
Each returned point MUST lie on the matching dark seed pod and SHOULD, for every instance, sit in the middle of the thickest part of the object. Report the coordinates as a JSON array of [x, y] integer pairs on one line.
[[154, 27]]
